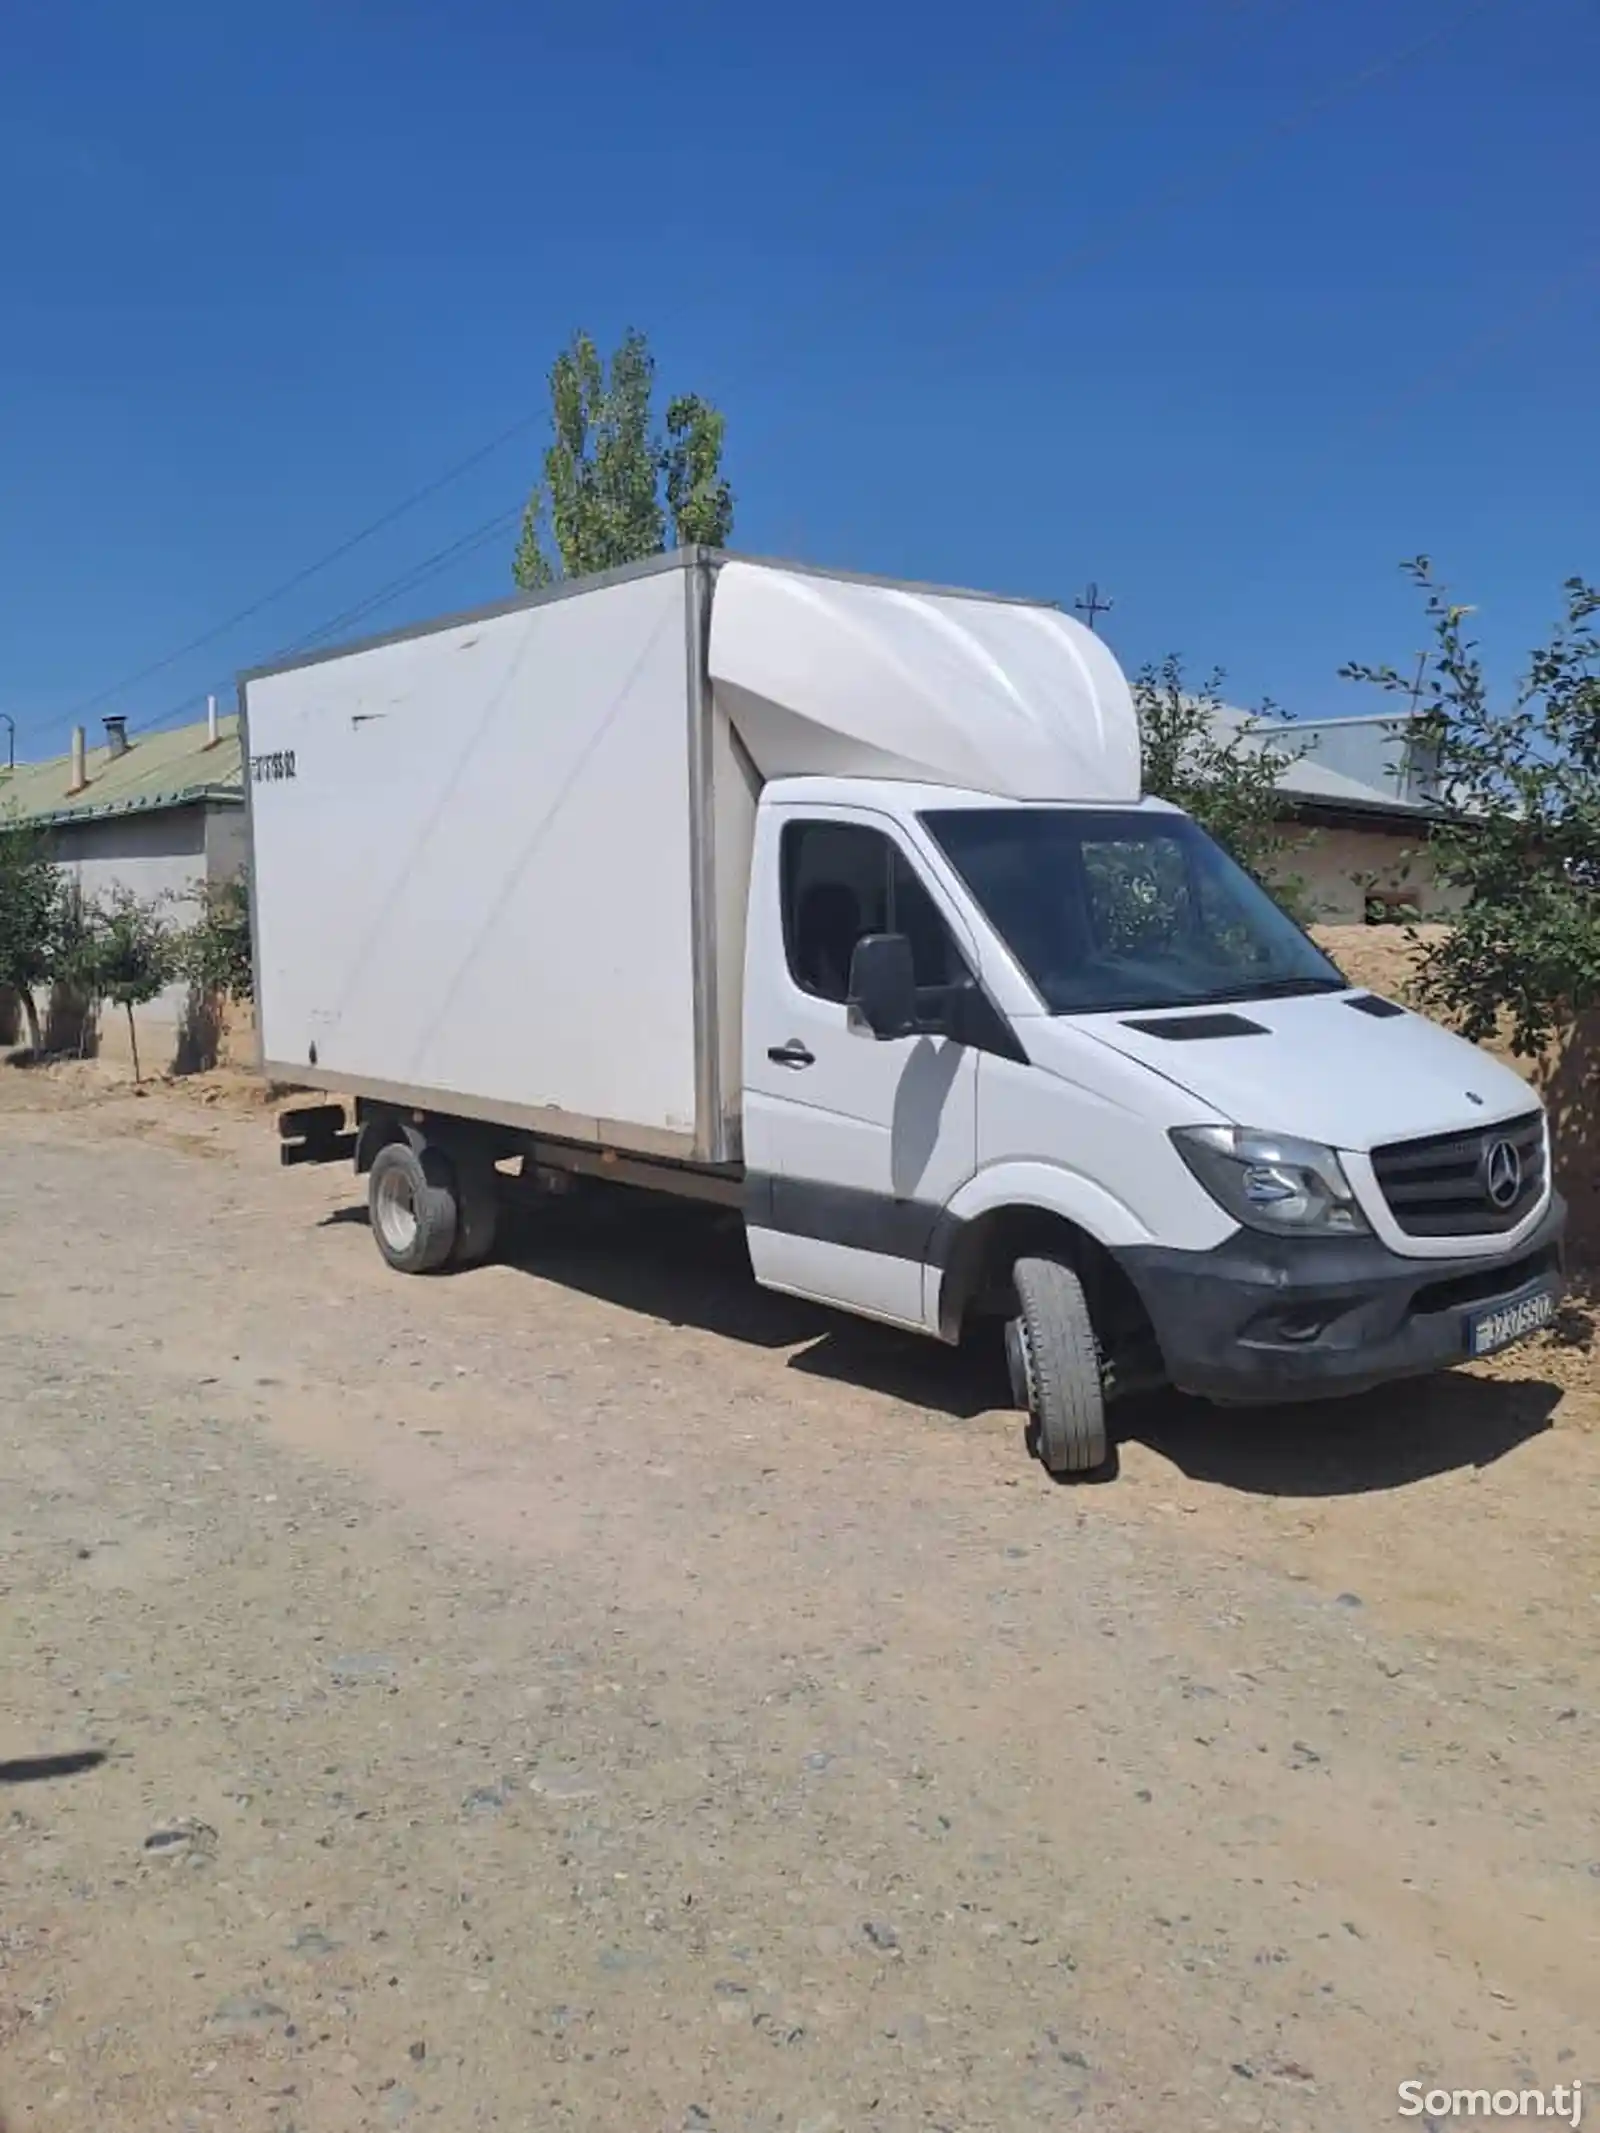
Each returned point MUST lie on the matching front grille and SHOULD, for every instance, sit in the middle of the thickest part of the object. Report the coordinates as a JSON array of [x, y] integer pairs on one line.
[[1439, 1187], [1498, 1280]]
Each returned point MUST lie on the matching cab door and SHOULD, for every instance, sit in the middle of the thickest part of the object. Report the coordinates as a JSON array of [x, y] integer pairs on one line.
[[852, 1145]]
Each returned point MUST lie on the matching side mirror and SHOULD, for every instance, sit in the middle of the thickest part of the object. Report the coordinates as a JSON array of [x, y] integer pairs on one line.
[[883, 985]]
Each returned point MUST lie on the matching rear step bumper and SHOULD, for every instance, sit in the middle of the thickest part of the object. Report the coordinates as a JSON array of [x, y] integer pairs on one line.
[[314, 1133]]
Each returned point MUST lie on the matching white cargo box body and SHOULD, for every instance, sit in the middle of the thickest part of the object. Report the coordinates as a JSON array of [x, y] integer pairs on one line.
[[500, 863], [472, 852]]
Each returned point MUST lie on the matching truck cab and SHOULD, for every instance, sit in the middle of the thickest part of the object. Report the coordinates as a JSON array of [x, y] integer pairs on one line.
[[982, 1032]]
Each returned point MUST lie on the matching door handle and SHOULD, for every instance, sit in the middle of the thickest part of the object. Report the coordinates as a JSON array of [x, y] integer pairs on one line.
[[792, 1054]]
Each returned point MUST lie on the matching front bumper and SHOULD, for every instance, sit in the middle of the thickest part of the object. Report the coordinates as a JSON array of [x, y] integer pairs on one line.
[[1260, 1319]]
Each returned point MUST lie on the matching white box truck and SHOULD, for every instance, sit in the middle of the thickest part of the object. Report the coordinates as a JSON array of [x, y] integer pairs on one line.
[[837, 900]]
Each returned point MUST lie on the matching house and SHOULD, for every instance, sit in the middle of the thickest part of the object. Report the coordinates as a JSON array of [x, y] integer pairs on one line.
[[1394, 754], [159, 815], [1359, 795]]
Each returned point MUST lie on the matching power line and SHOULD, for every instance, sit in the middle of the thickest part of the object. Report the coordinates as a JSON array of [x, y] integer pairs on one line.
[[1213, 178], [430, 567], [939, 222], [1319, 464], [1145, 76], [311, 570], [1092, 604], [1216, 177], [481, 536], [1509, 329]]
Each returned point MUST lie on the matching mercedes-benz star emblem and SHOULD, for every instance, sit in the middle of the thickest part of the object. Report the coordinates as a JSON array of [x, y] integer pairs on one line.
[[1502, 1173]]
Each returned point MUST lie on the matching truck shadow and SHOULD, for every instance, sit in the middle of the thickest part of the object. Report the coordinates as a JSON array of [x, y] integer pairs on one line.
[[1380, 1440], [688, 1266]]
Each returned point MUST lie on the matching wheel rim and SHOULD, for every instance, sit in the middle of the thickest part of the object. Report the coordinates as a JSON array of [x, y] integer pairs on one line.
[[1019, 1365], [395, 1212]]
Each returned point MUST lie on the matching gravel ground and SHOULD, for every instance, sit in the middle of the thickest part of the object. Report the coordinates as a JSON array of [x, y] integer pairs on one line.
[[588, 1694]]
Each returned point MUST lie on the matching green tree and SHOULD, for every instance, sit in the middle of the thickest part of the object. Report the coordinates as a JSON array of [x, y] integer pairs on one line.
[[75, 1002], [31, 906], [611, 484], [1223, 774], [698, 497], [1519, 780], [129, 954], [215, 951]]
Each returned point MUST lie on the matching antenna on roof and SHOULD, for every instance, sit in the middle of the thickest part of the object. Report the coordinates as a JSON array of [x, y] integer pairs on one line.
[[1091, 604]]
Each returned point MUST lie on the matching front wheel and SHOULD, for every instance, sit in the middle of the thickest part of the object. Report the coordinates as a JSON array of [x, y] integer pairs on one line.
[[1056, 1373]]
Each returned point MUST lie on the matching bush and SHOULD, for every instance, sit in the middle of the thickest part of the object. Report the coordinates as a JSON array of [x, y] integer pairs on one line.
[[32, 909], [1225, 776], [216, 949], [1520, 781], [126, 953]]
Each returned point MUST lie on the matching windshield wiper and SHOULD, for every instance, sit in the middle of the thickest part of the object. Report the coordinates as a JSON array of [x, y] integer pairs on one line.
[[1269, 989]]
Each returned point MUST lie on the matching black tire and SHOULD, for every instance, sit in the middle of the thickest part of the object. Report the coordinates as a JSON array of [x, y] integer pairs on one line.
[[411, 1200], [477, 1208], [1056, 1372]]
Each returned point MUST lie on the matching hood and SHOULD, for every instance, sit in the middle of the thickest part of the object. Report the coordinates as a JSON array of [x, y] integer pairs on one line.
[[1322, 1068]]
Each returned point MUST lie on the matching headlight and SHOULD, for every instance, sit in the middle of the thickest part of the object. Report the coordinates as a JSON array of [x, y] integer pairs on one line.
[[1272, 1181]]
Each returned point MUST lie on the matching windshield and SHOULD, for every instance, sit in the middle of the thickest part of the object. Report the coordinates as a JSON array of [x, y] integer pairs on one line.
[[1112, 910]]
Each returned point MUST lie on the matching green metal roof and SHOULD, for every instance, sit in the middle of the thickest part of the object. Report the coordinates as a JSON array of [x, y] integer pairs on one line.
[[173, 769]]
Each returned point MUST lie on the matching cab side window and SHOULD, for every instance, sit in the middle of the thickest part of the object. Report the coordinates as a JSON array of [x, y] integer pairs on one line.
[[835, 889], [842, 880]]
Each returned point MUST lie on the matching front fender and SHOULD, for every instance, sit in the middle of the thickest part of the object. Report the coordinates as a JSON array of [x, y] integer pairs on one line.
[[1052, 1190], [1025, 1187]]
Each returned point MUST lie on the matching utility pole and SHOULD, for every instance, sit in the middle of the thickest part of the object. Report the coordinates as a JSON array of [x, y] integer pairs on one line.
[[1091, 604], [11, 764], [1417, 774], [1416, 686]]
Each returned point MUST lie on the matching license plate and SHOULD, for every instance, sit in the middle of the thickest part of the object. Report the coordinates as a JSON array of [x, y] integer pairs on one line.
[[1513, 1320]]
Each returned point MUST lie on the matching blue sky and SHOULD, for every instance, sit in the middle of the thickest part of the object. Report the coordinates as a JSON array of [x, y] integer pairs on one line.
[[1226, 304]]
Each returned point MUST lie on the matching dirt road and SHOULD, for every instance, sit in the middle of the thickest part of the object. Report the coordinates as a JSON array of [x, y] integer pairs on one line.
[[585, 1694]]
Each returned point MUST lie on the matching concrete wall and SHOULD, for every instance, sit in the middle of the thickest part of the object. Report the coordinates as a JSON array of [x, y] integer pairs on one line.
[[226, 845], [162, 857], [1334, 865], [153, 855]]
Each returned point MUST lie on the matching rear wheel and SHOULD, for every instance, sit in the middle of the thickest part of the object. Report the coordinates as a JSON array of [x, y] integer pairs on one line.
[[411, 1199], [1056, 1373], [477, 1207]]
